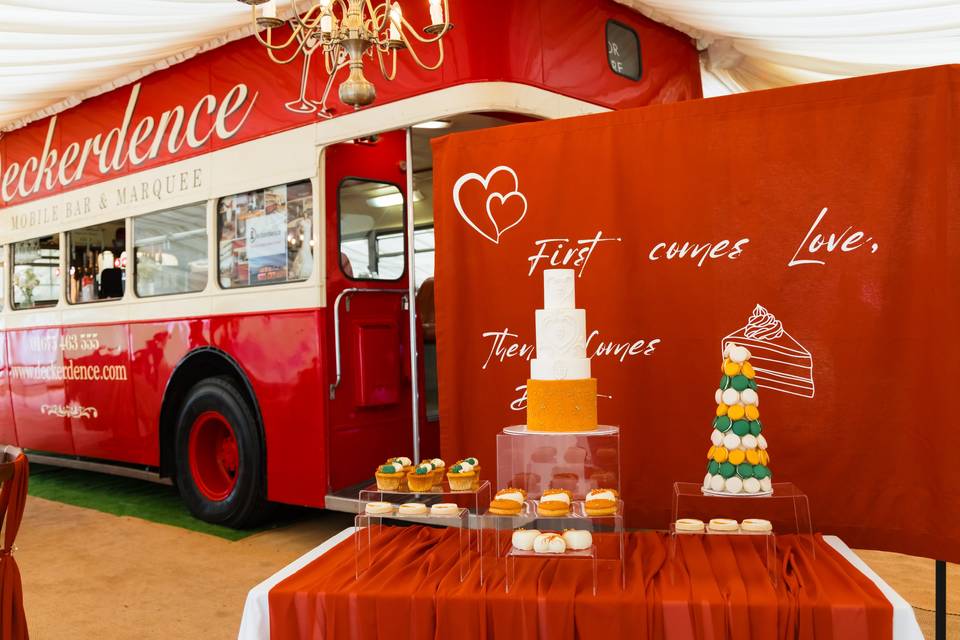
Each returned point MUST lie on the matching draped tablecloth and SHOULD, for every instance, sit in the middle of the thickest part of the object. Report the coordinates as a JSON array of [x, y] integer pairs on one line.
[[715, 587]]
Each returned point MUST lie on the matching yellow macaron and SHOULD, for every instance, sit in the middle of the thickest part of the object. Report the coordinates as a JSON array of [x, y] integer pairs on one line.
[[736, 456], [730, 368]]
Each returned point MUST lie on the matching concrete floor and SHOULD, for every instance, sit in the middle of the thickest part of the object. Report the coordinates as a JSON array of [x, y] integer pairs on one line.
[[88, 574]]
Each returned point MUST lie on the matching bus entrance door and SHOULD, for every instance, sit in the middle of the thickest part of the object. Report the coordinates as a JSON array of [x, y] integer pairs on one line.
[[370, 414]]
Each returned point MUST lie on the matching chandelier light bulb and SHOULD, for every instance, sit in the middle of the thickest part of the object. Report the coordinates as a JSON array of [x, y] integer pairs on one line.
[[268, 15], [270, 9], [436, 11], [396, 21]]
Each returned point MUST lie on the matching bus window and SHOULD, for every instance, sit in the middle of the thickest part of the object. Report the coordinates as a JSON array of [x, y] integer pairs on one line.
[[3, 275], [371, 230], [98, 262], [171, 251], [266, 236], [36, 273]]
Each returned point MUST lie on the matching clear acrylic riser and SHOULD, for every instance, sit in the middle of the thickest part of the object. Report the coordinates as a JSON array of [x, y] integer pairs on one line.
[[765, 543], [514, 555], [788, 508], [475, 501], [371, 544], [607, 553], [576, 461]]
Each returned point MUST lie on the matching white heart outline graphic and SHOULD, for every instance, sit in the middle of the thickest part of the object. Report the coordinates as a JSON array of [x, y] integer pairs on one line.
[[485, 181]]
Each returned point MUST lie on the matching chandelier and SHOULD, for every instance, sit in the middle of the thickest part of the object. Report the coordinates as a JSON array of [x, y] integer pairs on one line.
[[345, 32]]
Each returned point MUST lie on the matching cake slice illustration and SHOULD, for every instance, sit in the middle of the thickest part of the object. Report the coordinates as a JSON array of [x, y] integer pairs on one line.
[[781, 363]]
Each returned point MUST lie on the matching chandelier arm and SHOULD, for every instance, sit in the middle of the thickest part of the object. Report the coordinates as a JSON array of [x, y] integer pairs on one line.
[[416, 58], [293, 56], [268, 43], [309, 20], [383, 70], [377, 26]]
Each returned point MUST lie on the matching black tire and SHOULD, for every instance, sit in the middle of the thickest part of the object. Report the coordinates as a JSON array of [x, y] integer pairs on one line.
[[245, 505]]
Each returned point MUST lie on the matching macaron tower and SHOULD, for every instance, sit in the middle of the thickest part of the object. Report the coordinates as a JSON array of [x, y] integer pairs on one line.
[[737, 462], [561, 394]]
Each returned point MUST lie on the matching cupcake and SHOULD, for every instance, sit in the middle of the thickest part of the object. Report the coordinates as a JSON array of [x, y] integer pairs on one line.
[[389, 477], [439, 469], [421, 478], [461, 476], [476, 469], [406, 466]]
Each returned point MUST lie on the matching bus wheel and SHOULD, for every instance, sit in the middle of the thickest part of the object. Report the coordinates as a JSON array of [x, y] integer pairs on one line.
[[219, 456]]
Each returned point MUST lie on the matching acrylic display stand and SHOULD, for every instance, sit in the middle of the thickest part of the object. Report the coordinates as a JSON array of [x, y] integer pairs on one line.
[[578, 462], [370, 527], [537, 461], [474, 501], [370, 545], [765, 543], [787, 508]]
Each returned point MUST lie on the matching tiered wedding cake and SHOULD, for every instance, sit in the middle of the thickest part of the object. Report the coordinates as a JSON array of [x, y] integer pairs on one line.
[[561, 395], [738, 460]]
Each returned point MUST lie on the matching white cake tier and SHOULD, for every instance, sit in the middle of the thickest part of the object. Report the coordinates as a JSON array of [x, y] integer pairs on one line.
[[560, 368], [561, 333], [558, 289]]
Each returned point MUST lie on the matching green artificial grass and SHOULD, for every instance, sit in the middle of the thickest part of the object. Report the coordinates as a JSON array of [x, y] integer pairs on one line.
[[123, 497]]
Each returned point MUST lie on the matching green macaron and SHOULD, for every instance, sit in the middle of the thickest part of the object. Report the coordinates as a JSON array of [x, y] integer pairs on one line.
[[741, 427]]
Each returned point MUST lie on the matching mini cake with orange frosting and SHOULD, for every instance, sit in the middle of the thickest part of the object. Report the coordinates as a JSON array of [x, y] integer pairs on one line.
[[508, 502], [554, 503], [561, 394], [601, 502]]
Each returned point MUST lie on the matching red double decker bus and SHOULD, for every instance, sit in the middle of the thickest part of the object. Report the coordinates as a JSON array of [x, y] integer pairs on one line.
[[206, 283]]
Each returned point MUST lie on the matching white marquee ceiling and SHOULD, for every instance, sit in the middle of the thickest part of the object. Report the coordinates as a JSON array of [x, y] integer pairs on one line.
[[54, 53]]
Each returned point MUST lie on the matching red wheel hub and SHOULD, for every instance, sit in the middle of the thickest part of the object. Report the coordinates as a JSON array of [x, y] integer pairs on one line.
[[214, 458]]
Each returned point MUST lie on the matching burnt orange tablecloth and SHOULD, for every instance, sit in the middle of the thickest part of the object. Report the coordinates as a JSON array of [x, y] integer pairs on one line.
[[714, 587]]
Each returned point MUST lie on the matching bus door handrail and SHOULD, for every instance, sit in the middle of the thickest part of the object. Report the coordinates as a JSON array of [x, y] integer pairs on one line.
[[336, 325]]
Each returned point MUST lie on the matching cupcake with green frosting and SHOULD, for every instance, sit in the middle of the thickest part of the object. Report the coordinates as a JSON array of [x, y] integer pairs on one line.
[[421, 477]]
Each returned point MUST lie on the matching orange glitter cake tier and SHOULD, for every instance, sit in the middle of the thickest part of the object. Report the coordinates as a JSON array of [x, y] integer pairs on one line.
[[562, 405]]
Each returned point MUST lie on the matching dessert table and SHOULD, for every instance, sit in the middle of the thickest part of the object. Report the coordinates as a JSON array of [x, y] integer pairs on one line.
[[714, 587]]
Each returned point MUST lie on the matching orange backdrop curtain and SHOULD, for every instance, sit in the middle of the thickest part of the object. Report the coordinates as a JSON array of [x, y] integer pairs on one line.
[[834, 206]]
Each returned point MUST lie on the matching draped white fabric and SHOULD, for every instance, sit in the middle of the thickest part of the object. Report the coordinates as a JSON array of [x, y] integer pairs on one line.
[[759, 44], [55, 53]]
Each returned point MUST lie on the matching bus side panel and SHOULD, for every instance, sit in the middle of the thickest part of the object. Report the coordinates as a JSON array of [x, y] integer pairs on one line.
[[158, 347], [280, 354], [100, 359], [37, 388], [8, 433]]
